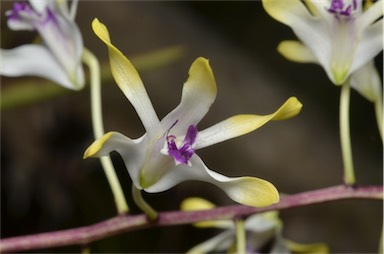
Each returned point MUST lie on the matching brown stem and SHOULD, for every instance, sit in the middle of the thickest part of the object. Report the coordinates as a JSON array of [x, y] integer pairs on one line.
[[124, 223]]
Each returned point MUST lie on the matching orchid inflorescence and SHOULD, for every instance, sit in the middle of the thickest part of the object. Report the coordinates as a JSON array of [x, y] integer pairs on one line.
[[342, 36]]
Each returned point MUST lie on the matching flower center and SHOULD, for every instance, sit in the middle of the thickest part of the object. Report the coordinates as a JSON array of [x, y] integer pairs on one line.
[[340, 8], [181, 153]]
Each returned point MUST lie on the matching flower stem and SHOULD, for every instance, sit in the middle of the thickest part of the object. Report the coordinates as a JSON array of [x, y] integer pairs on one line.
[[345, 136], [379, 115], [98, 129], [240, 236], [142, 204]]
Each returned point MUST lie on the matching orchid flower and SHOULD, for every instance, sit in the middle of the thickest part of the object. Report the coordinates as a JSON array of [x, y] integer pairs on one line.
[[166, 154], [261, 230], [343, 37], [58, 58], [337, 34]]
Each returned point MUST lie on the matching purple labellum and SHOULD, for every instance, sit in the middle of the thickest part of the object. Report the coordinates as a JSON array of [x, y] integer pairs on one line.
[[19, 7], [182, 154], [338, 7]]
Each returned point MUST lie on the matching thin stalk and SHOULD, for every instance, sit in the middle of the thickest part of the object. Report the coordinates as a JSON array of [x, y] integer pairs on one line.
[[345, 136], [379, 115], [240, 236], [98, 129], [142, 204]]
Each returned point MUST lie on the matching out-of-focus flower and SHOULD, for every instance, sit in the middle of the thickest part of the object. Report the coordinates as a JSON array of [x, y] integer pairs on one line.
[[165, 155], [263, 233], [340, 35], [58, 57]]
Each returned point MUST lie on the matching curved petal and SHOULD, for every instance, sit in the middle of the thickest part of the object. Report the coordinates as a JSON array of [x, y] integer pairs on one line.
[[244, 190], [128, 79], [33, 60], [221, 242], [296, 51], [366, 81], [199, 92], [370, 45], [243, 124], [307, 28], [132, 151], [196, 204]]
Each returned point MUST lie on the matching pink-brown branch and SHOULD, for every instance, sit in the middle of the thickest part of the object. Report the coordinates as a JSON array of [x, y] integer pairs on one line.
[[125, 223]]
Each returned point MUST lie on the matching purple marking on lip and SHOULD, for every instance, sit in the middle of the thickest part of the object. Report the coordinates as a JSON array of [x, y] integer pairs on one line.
[[184, 153]]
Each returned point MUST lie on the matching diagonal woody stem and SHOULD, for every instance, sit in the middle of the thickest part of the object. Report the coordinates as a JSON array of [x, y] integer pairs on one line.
[[125, 223]]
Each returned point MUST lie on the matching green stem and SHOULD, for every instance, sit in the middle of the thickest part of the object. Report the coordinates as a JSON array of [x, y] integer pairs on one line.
[[240, 236], [142, 204], [98, 129], [379, 115], [345, 136]]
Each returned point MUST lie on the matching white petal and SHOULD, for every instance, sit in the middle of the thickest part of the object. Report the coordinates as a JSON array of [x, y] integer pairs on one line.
[[199, 92], [128, 79], [41, 5], [133, 152], [369, 16], [219, 243], [63, 38], [244, 190], [366, 81], [33, 60], [243, 124], [370, 45]]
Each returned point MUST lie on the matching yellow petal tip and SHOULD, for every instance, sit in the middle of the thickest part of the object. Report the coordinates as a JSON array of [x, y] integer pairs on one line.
[[96, 146]]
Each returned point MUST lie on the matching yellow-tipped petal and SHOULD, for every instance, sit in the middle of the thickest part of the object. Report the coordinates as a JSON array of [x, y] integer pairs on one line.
[[243, 124], [196, 204], [289, 109], [295, 51], [127, 79], [96, 146], [307, 248], [252, 191], [199, 92]]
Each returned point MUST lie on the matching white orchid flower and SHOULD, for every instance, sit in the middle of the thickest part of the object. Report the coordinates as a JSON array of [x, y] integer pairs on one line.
[[263, 233], [339, 35], [166, 155], [58, 58]]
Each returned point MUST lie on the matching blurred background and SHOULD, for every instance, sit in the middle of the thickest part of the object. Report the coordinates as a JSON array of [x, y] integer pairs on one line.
[[46, 185]]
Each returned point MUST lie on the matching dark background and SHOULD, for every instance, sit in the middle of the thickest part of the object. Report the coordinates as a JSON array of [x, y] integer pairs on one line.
[[45, 184]]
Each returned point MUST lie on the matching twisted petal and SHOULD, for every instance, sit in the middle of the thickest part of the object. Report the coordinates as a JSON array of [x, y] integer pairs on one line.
[[243, 124], [199, 92], [33, 60], [244, 190], [366, 81], [296, 51], [132, 151], [128, 79]]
